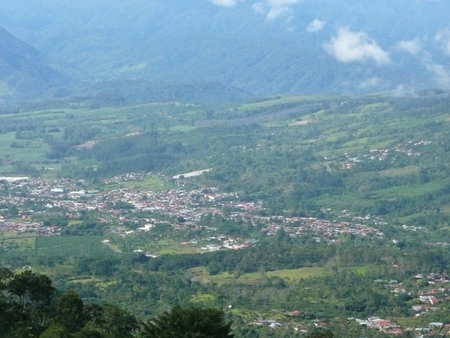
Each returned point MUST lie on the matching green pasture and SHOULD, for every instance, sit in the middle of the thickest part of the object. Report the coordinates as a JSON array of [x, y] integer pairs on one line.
[[104, 285], [287, 99], [174, 248], [410, 190], [374, 107], [184, 128], [86, 280], [34, 150], [400, 171], [254, 278], [348, 201], [203, 298], [21, 242], [72, 246], [150, 183], [166, 246]]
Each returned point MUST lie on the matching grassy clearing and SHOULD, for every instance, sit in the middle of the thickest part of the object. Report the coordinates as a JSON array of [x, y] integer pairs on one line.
[[286, 99], [254, 278], [357, 143], [113, 247], [167, 247], [344, 202], [151, 183], [34, 150], [72, 246], [85, 281], [21, 242], [176, 249], [374, 107], [296, 274], [184, 129], [411, 190], [203, 298], [105, 285], [400, 171], [406, 219]]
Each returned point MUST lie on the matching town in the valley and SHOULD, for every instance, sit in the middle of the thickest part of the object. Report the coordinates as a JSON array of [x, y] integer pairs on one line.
[[27, 204]]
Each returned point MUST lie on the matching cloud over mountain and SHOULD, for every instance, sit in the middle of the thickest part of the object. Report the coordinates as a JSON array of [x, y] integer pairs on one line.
[[349, 46]]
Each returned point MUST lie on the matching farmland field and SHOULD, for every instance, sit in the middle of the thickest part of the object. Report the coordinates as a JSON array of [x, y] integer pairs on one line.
[[72, 246], [288, 275]]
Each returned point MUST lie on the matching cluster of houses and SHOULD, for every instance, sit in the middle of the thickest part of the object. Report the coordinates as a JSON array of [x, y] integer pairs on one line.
[[228, 243], [28, 227], [72, 197], [391, 328], [326, 230], [385, 326], [409, 149], [380, 324], [133, 176], [429, 290]]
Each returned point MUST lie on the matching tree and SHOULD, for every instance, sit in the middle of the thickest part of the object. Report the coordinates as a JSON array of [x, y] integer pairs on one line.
[[321, 334], [55, 331], [111, 321], [188, 323], [30, 289], [69, 311]]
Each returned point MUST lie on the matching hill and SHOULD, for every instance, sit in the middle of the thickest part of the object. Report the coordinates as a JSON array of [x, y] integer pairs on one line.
[[24, 72]]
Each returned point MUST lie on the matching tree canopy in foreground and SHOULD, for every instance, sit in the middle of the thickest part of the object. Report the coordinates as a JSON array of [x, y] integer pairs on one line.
[[188, 322]]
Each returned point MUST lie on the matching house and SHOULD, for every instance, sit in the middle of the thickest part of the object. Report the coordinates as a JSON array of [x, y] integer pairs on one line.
[[436, 325]]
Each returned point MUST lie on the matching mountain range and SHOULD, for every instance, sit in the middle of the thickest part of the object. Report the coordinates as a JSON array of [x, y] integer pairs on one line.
[[261, 47]]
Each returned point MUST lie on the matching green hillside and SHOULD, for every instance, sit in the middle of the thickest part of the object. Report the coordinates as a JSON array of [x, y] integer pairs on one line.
[[24, 72]]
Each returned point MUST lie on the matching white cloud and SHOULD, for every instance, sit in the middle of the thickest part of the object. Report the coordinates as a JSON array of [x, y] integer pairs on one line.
[[402, 91], [350, 46], [444, 38], [315, 26], [225, 3], [410, 46], [441, 75], [274, 9], [372, 82]]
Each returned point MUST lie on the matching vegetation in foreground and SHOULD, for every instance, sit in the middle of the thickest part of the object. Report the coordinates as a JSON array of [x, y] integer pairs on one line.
[[31, 307]]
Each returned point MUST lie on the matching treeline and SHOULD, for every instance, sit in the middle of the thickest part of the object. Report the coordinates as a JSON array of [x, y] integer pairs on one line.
[[31, 307]]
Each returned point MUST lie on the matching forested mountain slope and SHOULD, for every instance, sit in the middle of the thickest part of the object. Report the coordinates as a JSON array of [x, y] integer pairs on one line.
[[23, 70], [263, 47]]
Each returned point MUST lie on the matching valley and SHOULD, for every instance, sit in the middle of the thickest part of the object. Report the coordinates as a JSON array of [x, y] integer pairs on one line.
[[292, 214]]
